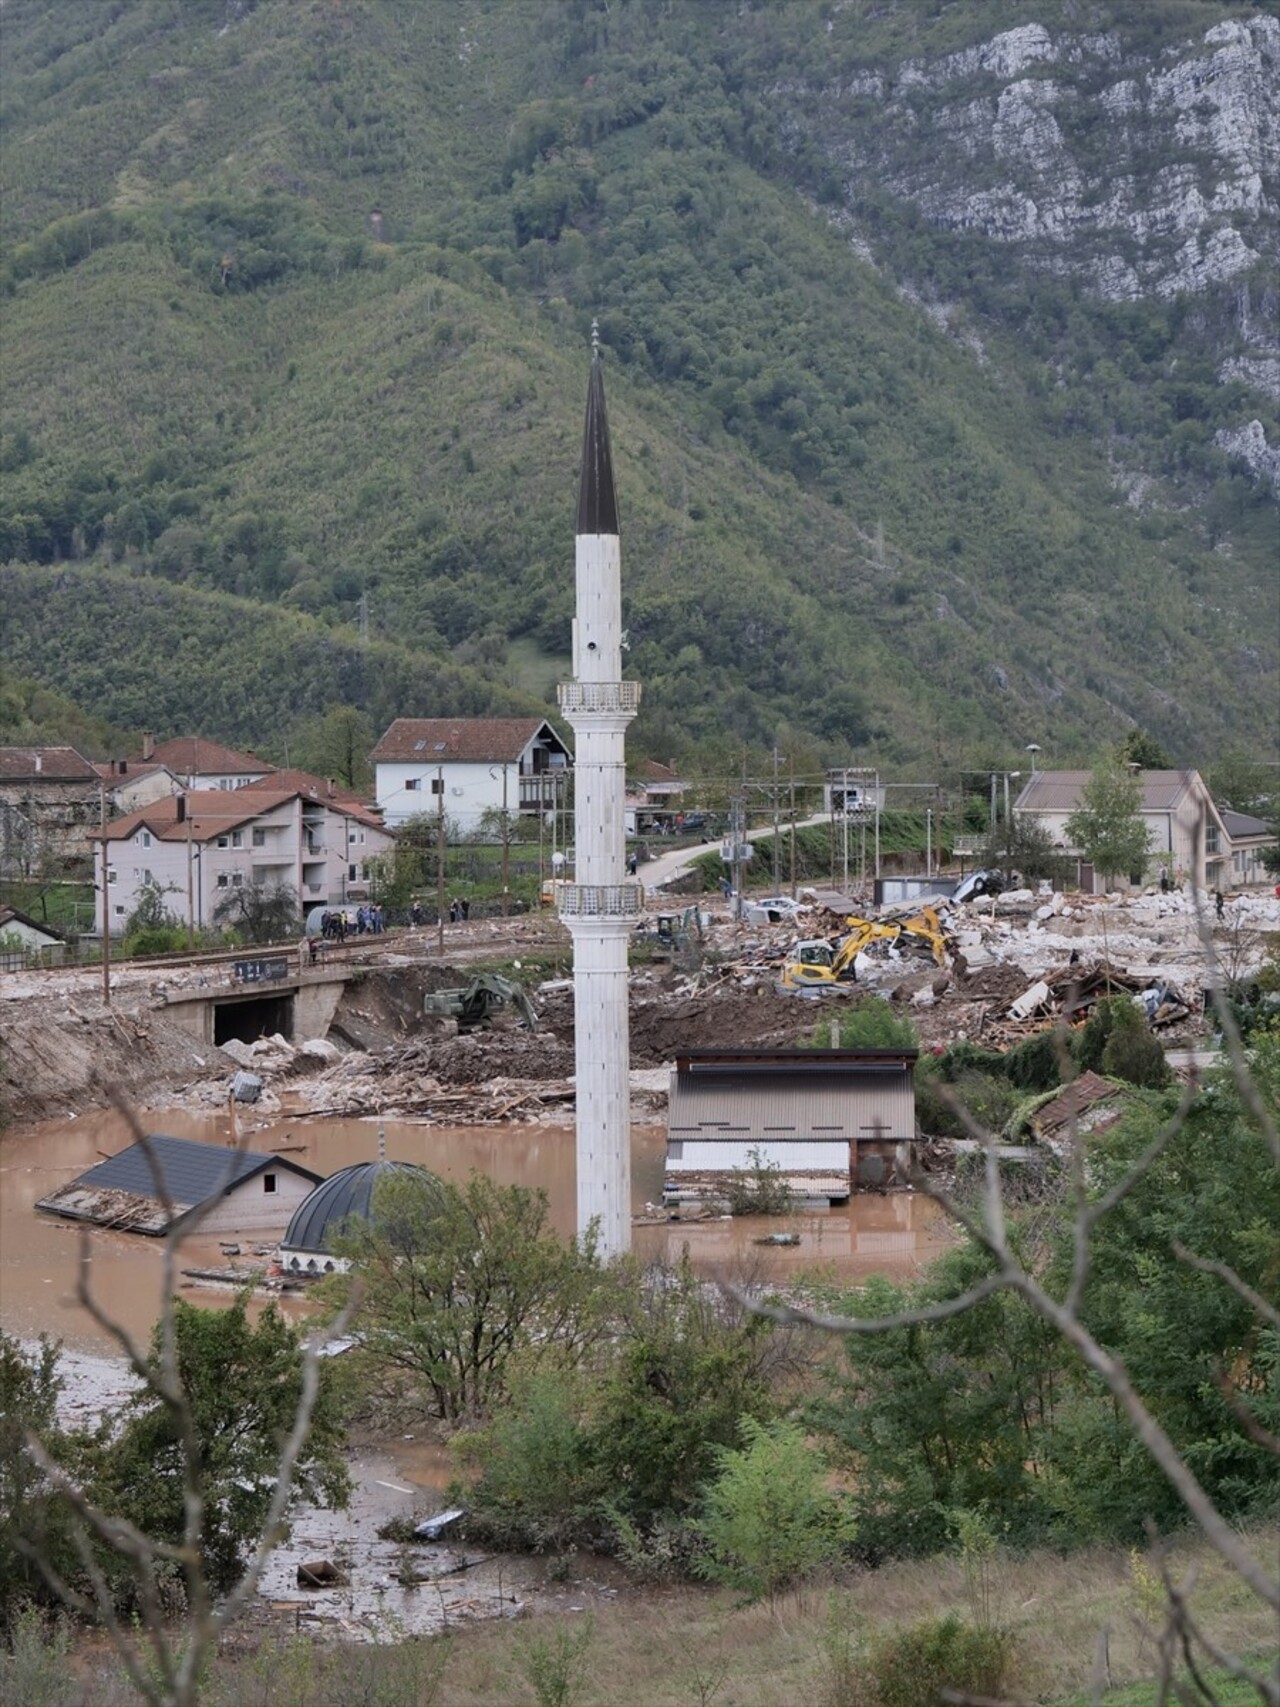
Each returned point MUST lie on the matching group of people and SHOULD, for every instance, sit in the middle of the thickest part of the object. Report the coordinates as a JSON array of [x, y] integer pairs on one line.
[[459, 910], [365, 921]]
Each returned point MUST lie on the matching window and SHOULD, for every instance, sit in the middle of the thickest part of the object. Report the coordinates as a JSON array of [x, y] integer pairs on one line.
[[111, 874], [146, 838], [224, 841], [119, 910], [259, 838], [237, 838], [237, 878], [268, 1182], [222, 880], [147, 877], [351, 874], [437, 785], [1212, 840], [412, 783]]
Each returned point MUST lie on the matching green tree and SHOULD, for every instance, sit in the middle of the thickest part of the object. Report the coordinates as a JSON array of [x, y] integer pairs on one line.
[[1024, 845], [770, 1520], [1139, 748], [243, 1382], [460, 1279], [33, 1521], [260, 912], [337, 745], [1106, 826]]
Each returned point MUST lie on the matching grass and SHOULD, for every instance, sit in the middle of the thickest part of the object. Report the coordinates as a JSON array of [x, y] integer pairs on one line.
[[688, 1645]]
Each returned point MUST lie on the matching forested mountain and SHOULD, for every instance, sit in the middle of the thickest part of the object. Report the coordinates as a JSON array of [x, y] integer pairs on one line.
[[941, 339]]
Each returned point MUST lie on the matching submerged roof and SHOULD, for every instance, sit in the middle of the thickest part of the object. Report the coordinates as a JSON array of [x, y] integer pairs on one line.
[[597, 499], [344, 1196], [124, 1191]]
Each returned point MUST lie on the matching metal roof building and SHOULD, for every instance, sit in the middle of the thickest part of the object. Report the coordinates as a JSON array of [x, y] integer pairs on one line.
[[248, 1192], [346, 1196], [828, 1120]]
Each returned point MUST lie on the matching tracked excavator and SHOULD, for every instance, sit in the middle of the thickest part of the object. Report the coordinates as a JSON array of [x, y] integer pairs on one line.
[[819, 963]]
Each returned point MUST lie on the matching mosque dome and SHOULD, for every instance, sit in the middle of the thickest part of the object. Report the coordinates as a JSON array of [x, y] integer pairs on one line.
[[344, 1196]]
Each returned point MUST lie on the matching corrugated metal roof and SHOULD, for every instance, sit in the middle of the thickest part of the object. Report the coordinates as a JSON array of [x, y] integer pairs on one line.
[[775, 1108], [193, 1173]]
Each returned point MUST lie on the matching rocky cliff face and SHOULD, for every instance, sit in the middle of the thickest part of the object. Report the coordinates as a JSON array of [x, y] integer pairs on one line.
[[1142, 173]]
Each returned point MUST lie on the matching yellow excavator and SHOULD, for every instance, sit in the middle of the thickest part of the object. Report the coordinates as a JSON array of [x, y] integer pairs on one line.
[[819, 963]]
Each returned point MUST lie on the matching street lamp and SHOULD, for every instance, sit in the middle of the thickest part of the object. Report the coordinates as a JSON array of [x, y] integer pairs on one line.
[[1033, 747]]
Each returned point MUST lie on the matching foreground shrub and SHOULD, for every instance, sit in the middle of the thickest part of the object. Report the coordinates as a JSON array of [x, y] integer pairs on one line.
[[769, 1518], [910, 1667]]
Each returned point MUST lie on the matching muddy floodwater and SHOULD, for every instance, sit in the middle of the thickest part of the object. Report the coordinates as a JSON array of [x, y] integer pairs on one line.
[[893, 1235], [404, 1478]]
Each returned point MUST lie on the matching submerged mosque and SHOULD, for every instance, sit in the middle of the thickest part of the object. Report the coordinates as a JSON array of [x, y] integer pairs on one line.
[[600, 906]]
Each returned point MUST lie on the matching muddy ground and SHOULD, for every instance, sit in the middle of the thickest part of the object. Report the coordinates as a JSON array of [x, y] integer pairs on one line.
[[62, 1049]]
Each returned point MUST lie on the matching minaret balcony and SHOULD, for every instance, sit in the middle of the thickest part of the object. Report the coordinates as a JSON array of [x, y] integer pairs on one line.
[[601, 900], [620, 698]]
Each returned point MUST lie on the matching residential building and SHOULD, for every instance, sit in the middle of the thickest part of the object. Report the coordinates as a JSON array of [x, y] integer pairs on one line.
[[23, 939], [1185, 831], [198, 763], [196, 846], [477, 765], [238, 1191], [131, 783], [50, 799], [1249, 837], [654, 798]]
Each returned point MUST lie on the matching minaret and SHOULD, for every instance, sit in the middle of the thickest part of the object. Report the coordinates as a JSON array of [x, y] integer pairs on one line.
[[600, 906]]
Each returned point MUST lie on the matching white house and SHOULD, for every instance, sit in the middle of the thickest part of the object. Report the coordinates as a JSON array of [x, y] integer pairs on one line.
[[1249, 837], [197, 846], [23, 936], [198, 763], [131, 783], [477, 764], [1185, 830]]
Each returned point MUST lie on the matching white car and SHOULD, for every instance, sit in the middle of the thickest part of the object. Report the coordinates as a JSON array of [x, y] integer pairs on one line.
[[773, 910]]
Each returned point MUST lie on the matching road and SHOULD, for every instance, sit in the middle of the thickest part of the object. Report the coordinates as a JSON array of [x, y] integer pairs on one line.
[[658, 873]]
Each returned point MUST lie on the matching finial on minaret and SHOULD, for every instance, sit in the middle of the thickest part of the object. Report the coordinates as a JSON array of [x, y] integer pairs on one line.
[[595, 337], [382, 1142]]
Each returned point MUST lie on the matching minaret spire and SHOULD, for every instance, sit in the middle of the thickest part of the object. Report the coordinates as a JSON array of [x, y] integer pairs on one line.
[[600, 906]]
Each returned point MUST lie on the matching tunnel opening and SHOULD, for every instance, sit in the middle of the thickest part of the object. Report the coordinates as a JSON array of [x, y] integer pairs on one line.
[[261, 1016]]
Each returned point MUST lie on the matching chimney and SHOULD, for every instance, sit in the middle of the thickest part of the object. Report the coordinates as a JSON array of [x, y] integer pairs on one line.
[[182, 809], [148, 744]]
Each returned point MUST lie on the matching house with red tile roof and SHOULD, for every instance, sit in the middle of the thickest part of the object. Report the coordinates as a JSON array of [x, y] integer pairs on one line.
[[196, 846], [198, 763], [478, 765], [49, 799]]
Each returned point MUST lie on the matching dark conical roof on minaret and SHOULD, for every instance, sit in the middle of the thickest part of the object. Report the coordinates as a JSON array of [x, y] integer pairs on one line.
[[597, 500]]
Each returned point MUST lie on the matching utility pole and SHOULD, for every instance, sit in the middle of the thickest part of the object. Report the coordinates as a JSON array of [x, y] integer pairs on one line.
[[506, 844], [777, 878], [440, 860], [928, 841], [106, 898], [191, 888], [792, 780]]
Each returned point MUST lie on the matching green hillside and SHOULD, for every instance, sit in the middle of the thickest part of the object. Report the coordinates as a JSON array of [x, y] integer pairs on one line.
[[298, 297]]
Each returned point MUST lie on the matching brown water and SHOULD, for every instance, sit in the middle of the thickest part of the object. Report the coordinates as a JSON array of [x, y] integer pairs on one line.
[[892, 1235]]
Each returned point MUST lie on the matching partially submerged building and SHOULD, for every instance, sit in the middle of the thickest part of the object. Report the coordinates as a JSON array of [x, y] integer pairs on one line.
[[827, 1122], [342, 1201], [241, 1191]]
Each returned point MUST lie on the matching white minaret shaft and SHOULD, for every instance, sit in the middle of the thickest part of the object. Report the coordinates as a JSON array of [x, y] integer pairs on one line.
[[600, 906]]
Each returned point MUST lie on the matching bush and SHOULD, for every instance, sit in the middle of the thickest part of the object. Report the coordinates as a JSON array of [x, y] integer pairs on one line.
[[769, 1519], [870, 1024], [910, 1667], [1133, 1052], [759, 1189], [1036, 1063], [156, 939]]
